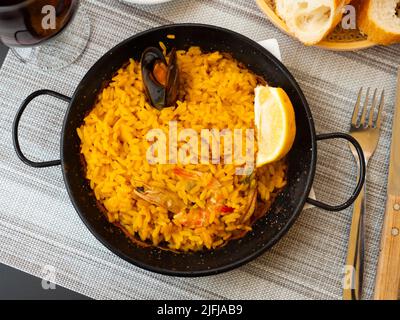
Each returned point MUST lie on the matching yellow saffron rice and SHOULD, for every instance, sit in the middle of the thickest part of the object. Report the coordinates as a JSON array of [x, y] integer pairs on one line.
[[216, 92]]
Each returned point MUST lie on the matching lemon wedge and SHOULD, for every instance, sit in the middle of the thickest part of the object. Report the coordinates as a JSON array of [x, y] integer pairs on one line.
[[275, 124]]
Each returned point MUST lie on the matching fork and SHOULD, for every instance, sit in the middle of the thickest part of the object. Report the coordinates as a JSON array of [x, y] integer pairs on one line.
[[366, 132]]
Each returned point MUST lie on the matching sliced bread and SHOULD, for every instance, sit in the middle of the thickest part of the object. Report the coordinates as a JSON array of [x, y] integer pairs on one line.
[[311, 20], [380, 20]]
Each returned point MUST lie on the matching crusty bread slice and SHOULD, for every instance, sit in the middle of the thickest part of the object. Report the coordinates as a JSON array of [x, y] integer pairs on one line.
[[380, 20], [311, 20]]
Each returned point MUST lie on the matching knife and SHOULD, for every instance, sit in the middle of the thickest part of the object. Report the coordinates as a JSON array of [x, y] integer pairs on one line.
[[388, 274]]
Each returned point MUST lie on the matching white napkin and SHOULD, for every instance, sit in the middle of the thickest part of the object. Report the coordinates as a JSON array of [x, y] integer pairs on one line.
[[272, 46]]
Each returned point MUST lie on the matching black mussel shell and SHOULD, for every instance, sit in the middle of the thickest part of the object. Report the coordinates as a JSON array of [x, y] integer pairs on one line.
[[172, 79], [160, 96]]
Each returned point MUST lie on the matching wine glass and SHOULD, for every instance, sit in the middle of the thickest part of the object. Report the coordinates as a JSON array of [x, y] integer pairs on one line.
[[49, 34]]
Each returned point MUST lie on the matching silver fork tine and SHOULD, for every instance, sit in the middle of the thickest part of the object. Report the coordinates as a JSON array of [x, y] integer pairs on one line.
[[356, 109], [372, 111], [364, 112], [381, 105]]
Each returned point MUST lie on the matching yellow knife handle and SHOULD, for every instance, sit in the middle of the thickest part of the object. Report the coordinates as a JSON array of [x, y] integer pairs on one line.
[[388, 276]]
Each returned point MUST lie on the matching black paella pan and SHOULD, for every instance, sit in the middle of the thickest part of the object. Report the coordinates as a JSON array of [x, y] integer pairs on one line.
[[267, 230]]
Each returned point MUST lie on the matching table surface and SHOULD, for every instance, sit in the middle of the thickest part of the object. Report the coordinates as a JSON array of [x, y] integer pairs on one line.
[[15, 284], [39, 227]]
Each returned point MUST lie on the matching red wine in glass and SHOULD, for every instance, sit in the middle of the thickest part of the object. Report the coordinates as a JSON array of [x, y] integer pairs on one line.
[[27, 22], [47, 34]]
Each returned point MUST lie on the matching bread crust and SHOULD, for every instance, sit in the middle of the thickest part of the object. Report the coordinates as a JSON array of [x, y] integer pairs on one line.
[[369, 27], [339, 5]]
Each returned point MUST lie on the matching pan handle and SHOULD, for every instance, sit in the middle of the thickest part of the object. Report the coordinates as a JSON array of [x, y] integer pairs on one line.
[[361, 179], [17, 120]]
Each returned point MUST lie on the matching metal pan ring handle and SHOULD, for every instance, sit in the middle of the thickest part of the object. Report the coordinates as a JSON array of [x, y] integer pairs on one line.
[[361, 175], [17, 120]]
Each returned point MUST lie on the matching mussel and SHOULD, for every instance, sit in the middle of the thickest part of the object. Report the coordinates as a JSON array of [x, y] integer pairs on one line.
[[160, 79]]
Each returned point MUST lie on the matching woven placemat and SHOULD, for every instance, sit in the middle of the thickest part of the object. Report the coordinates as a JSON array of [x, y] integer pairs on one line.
[[39, 227]]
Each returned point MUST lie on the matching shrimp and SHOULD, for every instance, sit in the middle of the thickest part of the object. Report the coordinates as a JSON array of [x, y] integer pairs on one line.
[[199, 217], [194, 217], [160, 197]]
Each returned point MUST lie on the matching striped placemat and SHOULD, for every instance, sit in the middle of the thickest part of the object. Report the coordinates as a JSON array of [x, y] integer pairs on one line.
[[39, 228]]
